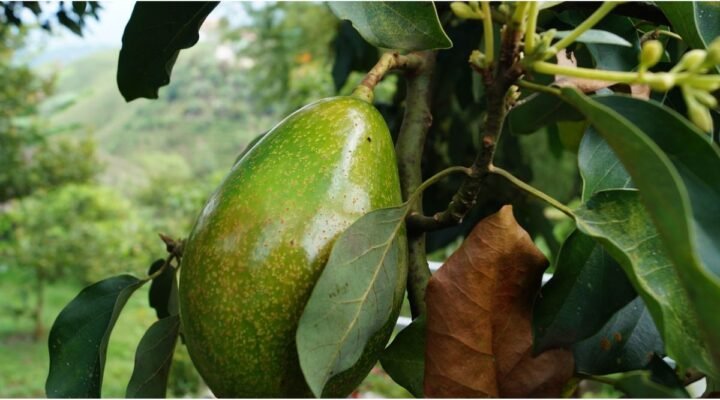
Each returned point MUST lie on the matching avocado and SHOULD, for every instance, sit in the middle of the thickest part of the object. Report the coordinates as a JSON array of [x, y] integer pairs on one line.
[[263, 238]]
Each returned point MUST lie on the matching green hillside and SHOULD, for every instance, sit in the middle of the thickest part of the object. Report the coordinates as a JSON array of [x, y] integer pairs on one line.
[[202, 120]]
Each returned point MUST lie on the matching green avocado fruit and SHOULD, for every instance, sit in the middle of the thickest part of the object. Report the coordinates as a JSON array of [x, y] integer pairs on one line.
[[263, 238]]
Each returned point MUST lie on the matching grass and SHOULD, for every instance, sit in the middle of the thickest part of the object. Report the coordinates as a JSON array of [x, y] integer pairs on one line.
[[24, 362]]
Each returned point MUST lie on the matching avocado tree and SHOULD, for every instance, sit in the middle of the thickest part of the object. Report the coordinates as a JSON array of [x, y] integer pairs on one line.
[[291, 280]]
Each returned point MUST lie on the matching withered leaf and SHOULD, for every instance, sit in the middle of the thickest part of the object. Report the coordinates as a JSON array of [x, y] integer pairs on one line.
[[479, 309]]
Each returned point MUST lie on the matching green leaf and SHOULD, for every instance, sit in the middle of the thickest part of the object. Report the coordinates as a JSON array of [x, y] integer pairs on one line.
[[355, 295], [599, 166], [153, 359], [596, 36], [540, 110], [163, 290], [153, 38], [79, 337], [639, 384], [668, 159], [588, 287], [404, 359], [695, 21], [408, 26], [619, 221], [627, 342]]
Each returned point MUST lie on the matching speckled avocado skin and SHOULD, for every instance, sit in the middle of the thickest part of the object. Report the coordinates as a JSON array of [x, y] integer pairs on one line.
[[263, 238]]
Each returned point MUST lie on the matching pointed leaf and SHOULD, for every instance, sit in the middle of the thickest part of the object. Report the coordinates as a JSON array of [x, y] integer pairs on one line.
[[163, 290], [668, 159], [79, 337], [153, 38], [596, 36], [695, 21], [153, 359], [599, 166], [587, 288], [479, 305], [627, 342], [618, 220], [354, 297], [404, 359], [407, 26]]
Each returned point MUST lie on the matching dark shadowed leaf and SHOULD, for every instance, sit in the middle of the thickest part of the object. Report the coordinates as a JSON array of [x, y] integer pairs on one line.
[[153, 359], [404, 359], [79, 337], [639, 384], [627, 342], [668, 160], [596, 36], [162, 290], [588, 287], [405, 26], [352, 53], [619, 221], [355, 295], [540, 110], [153, 38]]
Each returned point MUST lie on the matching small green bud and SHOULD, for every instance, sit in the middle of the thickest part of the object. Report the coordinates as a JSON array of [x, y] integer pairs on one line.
[[477, 58], [651, 53], [462, 10], [705, 98], [693, 60], [663, 82], [698, 113]]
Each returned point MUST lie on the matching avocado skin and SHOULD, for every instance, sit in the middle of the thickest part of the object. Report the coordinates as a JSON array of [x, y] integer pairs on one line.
[[263, 238]]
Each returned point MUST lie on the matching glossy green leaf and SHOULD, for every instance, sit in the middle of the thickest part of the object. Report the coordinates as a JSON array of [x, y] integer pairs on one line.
[[596, 36], [588, 287], [163, 290], [599, 166], [354, 296], [153, 38], [153, 359], [621, 224], [695, 21], [537, 111], [79, 337], [626, 342], [639, 384], [407, 26], [404, 359], [668, 159]]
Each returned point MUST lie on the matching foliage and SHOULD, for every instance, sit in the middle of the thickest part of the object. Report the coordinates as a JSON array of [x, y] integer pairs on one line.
[[48, 16]]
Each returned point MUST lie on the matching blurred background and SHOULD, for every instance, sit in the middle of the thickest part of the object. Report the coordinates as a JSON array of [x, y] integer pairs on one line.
[[88, 181]]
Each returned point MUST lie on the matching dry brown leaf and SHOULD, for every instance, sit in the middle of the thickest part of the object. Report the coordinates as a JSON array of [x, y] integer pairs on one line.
[[479, 310]]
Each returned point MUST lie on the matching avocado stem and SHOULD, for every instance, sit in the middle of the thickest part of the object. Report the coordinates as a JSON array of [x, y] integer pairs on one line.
[[387, 62]]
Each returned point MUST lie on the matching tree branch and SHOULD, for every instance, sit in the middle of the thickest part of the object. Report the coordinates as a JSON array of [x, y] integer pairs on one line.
[[409, 148], [497, 85]]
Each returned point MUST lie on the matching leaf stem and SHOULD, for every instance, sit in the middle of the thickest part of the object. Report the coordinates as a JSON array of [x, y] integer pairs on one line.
[[435, 178], [591, 21], [532, 190], [538, 87], [488, 36]]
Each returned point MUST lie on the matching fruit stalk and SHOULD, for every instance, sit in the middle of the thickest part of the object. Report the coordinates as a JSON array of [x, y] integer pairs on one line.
[[387, 62]]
